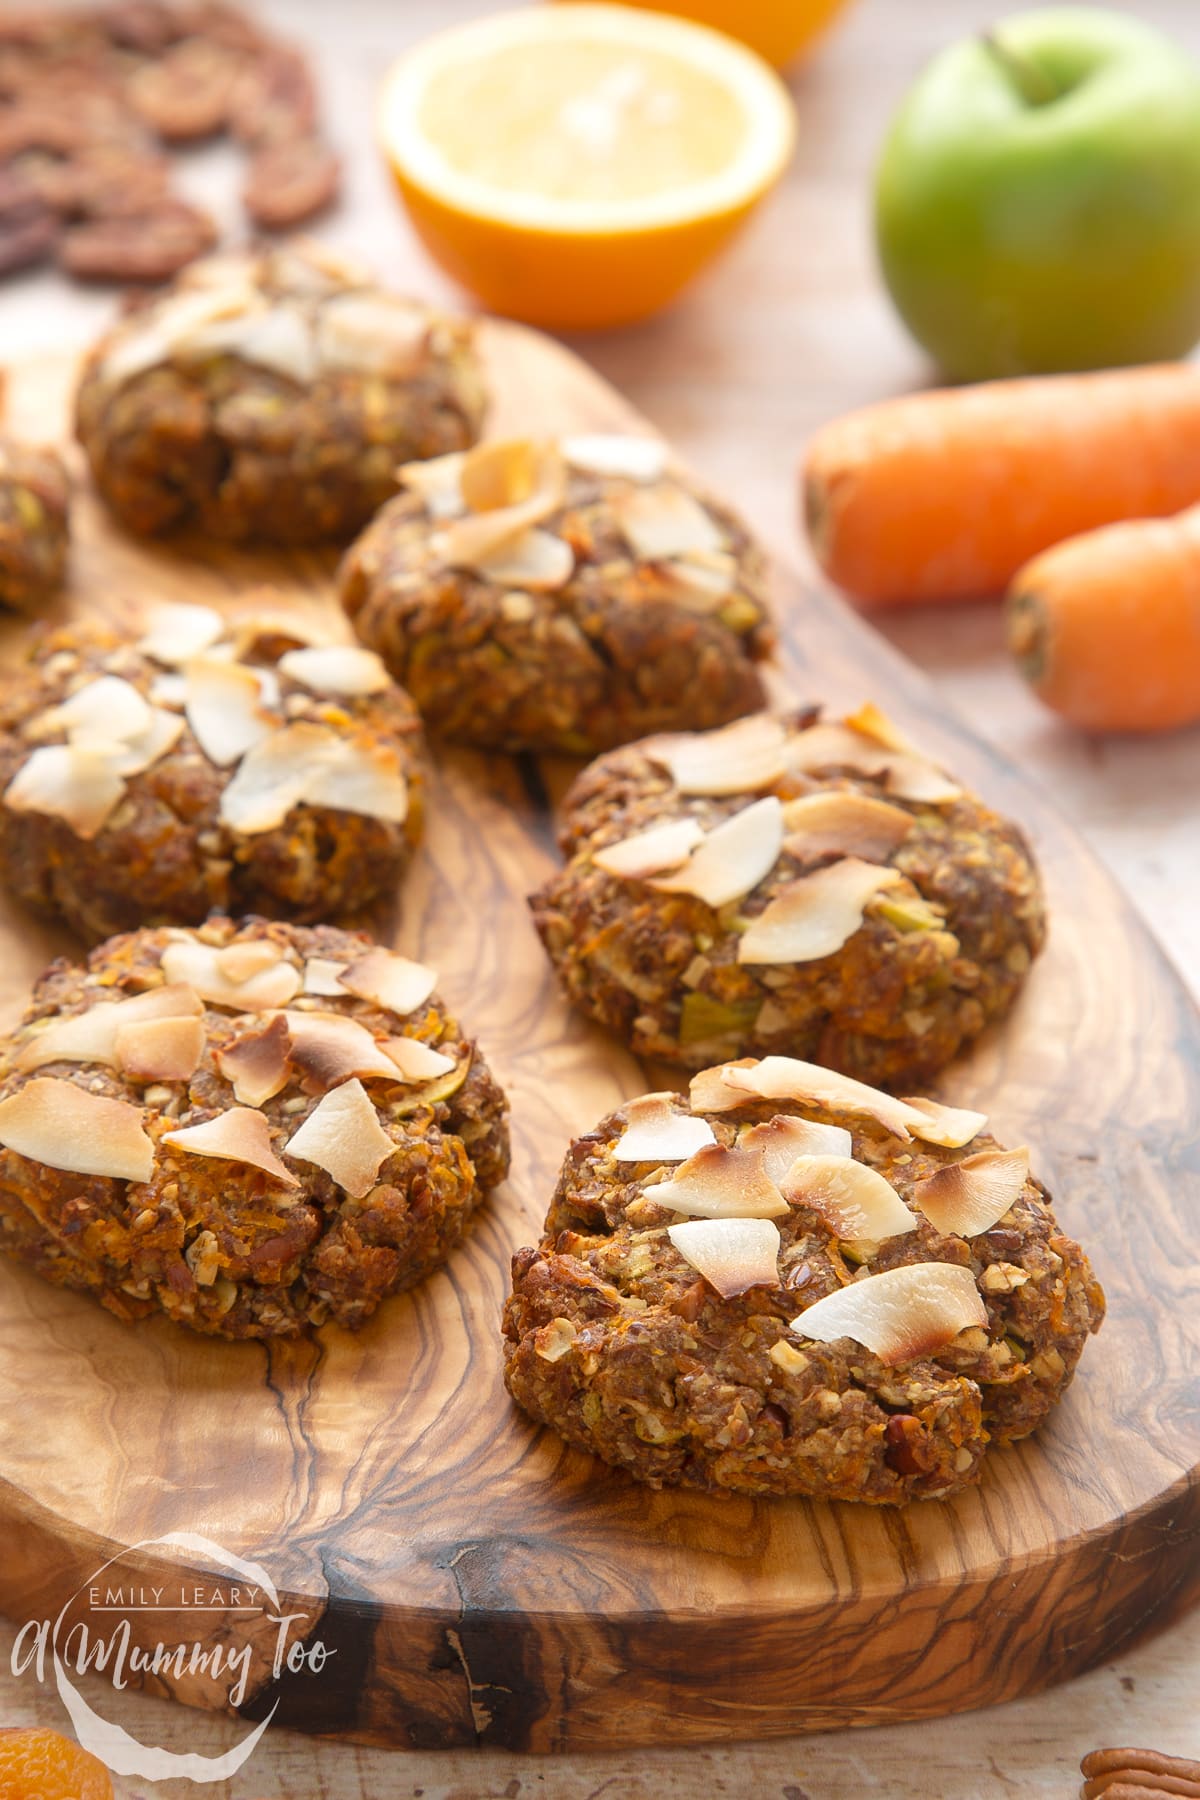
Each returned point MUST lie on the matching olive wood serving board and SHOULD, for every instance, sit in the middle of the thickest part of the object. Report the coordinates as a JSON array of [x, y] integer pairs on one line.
[[477, 1580]]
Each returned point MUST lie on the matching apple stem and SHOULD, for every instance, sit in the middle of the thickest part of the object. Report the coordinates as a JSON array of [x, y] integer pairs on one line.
[[1033, 85]]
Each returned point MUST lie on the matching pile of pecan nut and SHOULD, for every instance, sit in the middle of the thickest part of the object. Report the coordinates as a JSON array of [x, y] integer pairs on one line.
[[91, 99], [1138, 1775]]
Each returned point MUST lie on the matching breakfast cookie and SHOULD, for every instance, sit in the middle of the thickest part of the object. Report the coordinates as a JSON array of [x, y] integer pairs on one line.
[[249, 1128], [271, 396], [205, 765], [796, 1284], [34, 502], [561, 595], [788, 885]]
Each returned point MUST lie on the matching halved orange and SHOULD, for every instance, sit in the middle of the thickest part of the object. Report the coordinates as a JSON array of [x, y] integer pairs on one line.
[[780, 30], [575, 166]]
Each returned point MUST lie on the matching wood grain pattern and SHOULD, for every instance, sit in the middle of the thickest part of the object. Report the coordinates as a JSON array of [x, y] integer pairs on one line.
[[482, 1583]]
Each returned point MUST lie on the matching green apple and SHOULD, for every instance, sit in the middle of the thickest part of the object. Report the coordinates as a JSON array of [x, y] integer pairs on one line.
[[1037, 203]]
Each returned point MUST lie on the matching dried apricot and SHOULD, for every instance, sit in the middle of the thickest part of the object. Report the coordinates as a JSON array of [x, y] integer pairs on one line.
[[38, 1762]]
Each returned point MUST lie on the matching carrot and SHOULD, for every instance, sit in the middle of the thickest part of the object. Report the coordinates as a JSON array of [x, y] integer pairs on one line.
[[944, 495], [1106, 627]]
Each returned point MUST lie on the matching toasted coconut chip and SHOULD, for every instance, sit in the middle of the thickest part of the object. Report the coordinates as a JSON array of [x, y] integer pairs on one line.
[[238, 1135], [611, 453], [77, 783], [177, 633], [264, 628], [738, 759], [438, 484], [822, 747], [322, 976], [225, 709], [502, 472], [170, 690], [949, 1126], [417, 1061], [173, 1000], [256, 1065], [701, 579], [108, 710], [372, 334], [916, 778], [242, 961], [111, 716], [312, 764], [733, 858], [710, 1091], [160, 1049], [782, 1139], [720, 1183], [278, 338], [649, 852], [663, 521], [336, 669], [329, 1047], [272, 778], [343, 1136], [91, 1036], [656, 1132], [189, 960], [844, 824], [56, 1123], [733, 1255], [466, 541], [88, 1037], [150, 746], [304, 263], [152, 338], [134, 354], [358, 778], [392, 982], [971, 1196], [787, 1078], [904, 773], [900, 1314], [269, 692], [854, 1201], [535, 560], [814, 916]]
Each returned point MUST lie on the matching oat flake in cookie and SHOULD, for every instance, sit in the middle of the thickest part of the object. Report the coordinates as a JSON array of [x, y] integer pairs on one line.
[[271, 396], [561, 595], [796, 1284], [251, 1129], [789, 885], [205, 765]]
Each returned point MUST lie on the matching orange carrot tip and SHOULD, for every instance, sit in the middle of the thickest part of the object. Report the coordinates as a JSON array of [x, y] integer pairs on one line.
[[1106, 627], [945, 495]]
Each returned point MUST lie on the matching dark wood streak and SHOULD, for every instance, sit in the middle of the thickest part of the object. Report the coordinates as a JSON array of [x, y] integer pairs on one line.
[[483, 1583]]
